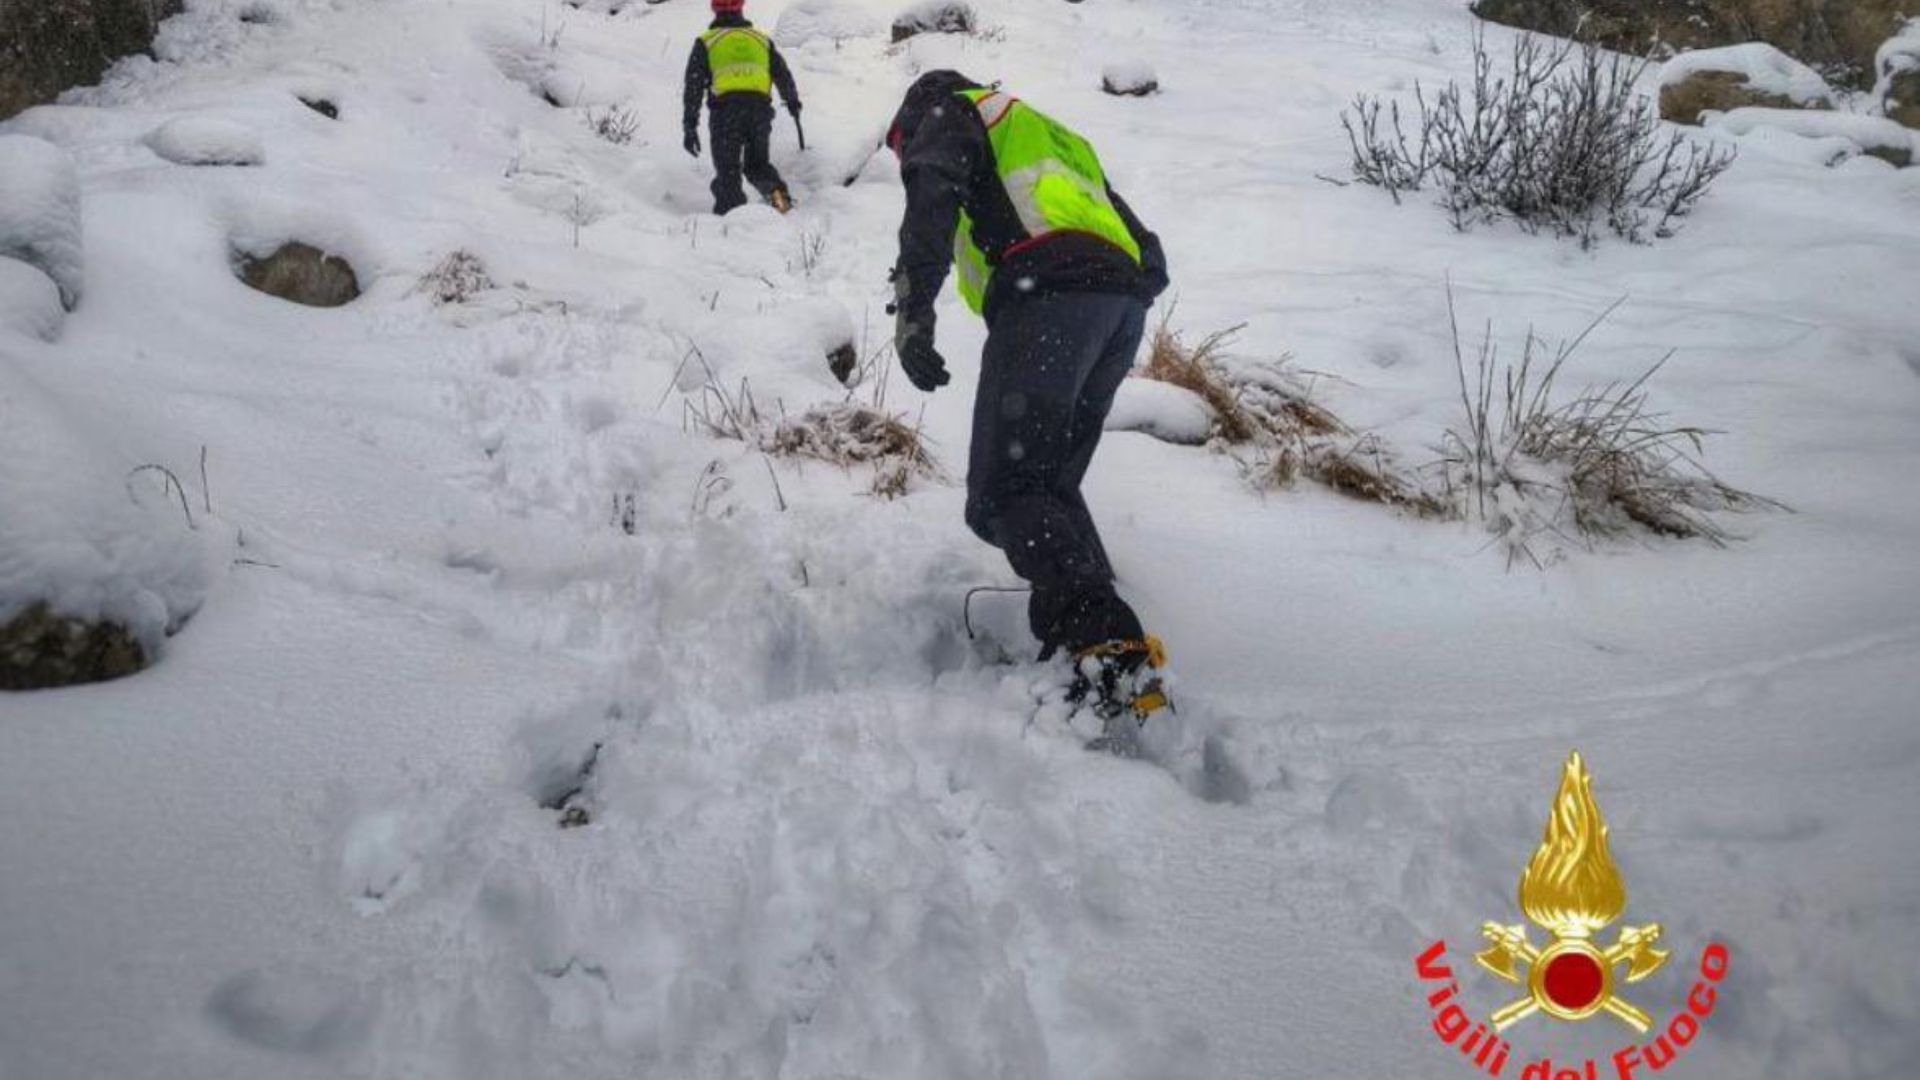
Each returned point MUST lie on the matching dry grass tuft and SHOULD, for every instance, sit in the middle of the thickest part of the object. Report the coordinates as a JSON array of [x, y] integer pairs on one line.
[[845, 433], [1365, 470], [1597, 466], [1199, 369], [1253, 404], [1269, 409]]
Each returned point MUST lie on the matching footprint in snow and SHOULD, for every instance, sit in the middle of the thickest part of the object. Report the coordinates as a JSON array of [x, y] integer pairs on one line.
[[309, 1016]]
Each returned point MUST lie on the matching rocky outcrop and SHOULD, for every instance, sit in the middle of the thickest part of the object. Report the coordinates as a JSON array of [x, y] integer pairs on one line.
[[1839, 37], [47, 46], [1742, 76]]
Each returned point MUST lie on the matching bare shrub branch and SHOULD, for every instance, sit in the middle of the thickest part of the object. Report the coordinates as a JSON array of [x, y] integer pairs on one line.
[[1560, 141]]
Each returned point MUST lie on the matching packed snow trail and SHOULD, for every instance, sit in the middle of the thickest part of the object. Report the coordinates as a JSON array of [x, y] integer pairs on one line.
[[822, 838]]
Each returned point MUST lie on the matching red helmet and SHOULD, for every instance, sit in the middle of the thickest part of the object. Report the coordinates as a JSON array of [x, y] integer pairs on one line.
[[729, 7]]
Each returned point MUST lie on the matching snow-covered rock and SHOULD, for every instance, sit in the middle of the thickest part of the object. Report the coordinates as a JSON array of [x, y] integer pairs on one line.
[[206, 140], [1755, 74], [81, 535], [40, 211], [1898, 68], [1131, 78], [935, 17], [29, 301], [1871, 135], [823, 20], [1167, 412]]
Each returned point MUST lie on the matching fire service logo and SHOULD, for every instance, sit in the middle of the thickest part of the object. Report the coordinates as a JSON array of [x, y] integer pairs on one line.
[[1572, 891]]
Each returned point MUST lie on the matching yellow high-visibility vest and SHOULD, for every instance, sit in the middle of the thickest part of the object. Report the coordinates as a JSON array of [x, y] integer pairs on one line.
[[1054, 180], [741, 59]]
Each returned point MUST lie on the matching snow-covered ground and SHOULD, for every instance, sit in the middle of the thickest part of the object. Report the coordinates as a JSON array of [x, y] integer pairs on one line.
[[826, 840]]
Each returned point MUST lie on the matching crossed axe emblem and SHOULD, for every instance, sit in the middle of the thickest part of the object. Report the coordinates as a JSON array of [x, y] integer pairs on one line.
[[1585, 980]]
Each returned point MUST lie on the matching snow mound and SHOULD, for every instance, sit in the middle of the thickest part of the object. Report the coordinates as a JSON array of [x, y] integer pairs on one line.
[[1167, 412], [40, 211], [796, 337], [205, 140], [29, 301], [1868, 134], [823, 20], [82, 535], [1130, 78], [1767, 71]]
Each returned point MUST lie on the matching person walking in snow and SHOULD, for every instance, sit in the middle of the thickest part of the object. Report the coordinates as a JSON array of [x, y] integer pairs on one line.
[[1063, 273], [735, 69]]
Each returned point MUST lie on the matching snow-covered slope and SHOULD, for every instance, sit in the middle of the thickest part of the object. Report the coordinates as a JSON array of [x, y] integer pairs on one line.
[[825, 839]]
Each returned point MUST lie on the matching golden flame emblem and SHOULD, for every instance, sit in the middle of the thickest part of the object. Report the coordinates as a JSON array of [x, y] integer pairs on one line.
[[1572, 890]]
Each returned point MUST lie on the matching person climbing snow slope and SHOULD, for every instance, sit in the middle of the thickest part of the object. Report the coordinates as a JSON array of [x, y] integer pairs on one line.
[[1063, 273], [735, 69]]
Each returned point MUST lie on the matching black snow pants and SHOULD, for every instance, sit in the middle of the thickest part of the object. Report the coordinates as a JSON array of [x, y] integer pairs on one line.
[[739, 128], [1047, 381]]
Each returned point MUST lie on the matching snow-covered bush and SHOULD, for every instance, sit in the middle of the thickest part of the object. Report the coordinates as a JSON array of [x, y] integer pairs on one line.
[[1534, 465], [935, 17], [848, 434], [29, 301], [93, 559], [823, 20], [844, 433], [1563, 141], [616, 124], [1134, 78], [1754, 74], [206, 140], [40, 211], [455, 279]]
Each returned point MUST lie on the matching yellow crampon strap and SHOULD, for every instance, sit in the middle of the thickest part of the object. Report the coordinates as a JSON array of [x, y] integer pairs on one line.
[[1153, 697], [1156, 651]]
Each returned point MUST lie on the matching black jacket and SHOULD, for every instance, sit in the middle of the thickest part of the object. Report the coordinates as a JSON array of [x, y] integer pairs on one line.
[[946, 164], [700, 76]]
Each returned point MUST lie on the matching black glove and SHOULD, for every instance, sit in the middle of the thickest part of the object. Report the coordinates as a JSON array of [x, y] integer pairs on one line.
[[692, 142], [793, 107], [913, 338], [926, 369]]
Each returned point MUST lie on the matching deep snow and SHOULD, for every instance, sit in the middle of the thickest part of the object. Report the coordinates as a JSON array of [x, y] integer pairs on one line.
[[826, 840]]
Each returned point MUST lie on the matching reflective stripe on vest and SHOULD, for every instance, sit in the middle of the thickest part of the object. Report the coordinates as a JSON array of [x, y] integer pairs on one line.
[[741, 60], [1052, 177]]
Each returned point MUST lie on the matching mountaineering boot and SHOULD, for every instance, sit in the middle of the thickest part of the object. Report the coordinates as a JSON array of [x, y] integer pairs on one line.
[[781, 201], [1120, 682]]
